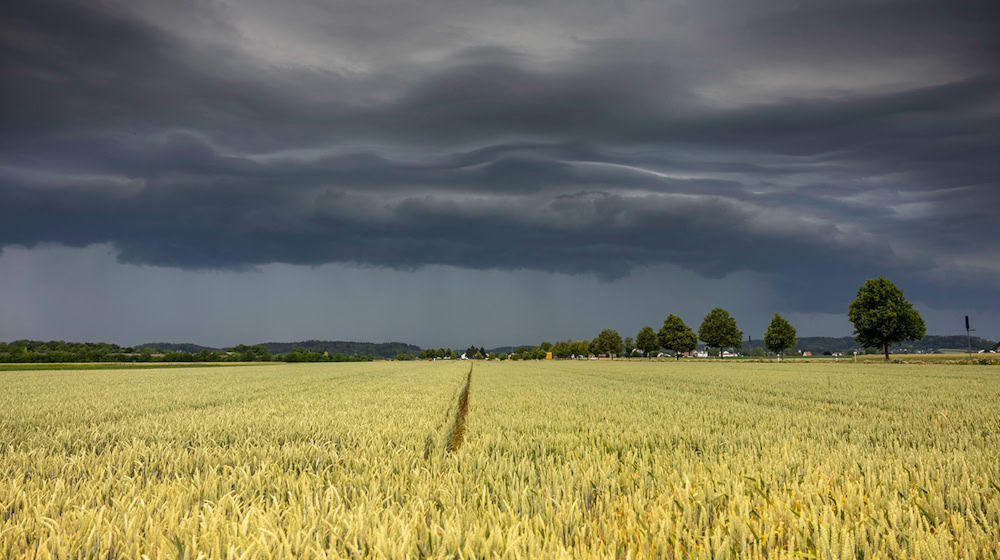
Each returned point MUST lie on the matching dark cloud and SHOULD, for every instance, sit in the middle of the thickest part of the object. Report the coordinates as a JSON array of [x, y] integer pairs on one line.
[[813, 145]]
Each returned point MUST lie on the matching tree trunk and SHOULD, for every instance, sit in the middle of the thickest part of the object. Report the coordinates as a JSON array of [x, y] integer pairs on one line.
[[886, 346], [677, 356]]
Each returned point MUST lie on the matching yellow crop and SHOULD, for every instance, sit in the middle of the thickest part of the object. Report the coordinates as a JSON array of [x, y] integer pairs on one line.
[[558, 459]]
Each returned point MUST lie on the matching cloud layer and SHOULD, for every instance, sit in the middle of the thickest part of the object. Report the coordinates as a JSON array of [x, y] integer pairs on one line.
[[813, 145]]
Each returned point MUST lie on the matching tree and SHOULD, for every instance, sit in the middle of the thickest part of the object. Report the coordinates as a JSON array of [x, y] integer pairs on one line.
[[780, 335], [719, 329], [629, 345], [676, 336], [882, 316], [647, 341], [593, 348], [608, 342]]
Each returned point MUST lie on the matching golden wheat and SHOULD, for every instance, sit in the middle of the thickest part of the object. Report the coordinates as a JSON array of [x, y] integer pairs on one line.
[[559, 460]]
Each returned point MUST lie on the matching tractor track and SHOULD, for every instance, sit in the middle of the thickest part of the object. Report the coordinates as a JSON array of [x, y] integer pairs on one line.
[[457, 433]]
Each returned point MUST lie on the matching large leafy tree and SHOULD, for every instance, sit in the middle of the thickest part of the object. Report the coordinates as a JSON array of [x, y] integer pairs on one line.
[[780, 335], [882, 316], [607, 342], [676, 336], [647, 341], [719, 329]]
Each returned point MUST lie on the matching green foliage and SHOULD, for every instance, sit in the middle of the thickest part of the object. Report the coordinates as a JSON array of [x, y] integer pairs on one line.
[[780, 335], [882, 316], [718, 329], [244, 353], [629, 345], [305, 355], [528, 353], [676, 336], [608, 342], [647, 341], [439, 353], [569, 348]]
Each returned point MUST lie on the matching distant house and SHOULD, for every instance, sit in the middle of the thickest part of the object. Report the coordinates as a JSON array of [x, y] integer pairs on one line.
[[701, 354], [806, 353]]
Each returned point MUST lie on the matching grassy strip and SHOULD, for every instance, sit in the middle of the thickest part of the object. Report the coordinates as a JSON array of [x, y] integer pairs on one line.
[[457, 433]]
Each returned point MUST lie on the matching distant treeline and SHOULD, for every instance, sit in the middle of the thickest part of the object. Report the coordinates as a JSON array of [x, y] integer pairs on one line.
[[816, 344], [54, 351], [331, 347]]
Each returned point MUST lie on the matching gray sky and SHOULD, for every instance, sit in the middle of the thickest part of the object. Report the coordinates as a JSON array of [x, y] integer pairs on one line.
[[447, 173]]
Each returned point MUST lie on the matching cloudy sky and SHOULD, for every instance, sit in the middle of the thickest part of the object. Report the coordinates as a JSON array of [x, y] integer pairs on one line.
[[460, 172]]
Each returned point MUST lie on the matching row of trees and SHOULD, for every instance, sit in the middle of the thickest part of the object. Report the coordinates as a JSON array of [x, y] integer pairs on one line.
[[718, 330], [880, 314]]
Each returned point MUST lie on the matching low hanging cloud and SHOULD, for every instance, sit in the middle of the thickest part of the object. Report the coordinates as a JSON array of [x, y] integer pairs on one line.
[[816, 154]]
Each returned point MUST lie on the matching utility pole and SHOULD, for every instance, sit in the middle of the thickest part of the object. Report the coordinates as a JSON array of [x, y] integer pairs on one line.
[[968, 335]]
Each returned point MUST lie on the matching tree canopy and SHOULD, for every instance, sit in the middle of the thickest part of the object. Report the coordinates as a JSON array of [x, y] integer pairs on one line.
[[676, 336], [607, 342], [780, 335], [882, 316], [719, 329], [647, 340]]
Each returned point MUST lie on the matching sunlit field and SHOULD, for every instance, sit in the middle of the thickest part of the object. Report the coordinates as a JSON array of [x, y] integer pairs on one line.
[[559, 459]]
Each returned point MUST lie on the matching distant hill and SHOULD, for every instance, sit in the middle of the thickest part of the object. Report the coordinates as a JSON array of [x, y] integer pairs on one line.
[[176, 347], [377, 349]]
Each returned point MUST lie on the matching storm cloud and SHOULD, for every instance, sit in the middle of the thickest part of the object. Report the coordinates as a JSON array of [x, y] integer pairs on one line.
[[810, 144]]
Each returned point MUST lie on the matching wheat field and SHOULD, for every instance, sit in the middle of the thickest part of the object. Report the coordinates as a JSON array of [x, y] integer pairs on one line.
[[559, 459]]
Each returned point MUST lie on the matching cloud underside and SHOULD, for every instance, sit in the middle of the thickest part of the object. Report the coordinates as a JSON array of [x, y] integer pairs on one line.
[[816, 154]]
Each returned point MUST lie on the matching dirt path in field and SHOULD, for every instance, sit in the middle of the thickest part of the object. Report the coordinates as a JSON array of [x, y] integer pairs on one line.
[[457, 433]]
